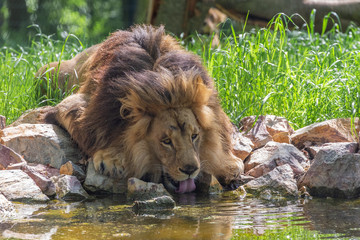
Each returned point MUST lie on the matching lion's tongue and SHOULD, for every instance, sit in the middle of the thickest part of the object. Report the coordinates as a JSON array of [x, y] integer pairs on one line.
[[186, 186]]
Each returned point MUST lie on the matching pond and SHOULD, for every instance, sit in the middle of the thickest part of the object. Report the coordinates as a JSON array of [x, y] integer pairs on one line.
[[195, 217]]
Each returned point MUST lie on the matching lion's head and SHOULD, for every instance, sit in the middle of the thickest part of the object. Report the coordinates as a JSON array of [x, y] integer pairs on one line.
[[175, 136], [169, 122]]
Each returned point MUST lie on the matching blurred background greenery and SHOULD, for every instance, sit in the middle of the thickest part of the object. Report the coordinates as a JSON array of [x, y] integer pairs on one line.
[[90, 20]]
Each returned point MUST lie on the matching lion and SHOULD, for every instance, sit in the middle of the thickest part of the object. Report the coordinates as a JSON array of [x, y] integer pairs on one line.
[[146, 108]]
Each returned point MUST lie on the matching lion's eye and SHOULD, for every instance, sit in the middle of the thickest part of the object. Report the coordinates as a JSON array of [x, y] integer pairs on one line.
[[194, 136], [166, 141]]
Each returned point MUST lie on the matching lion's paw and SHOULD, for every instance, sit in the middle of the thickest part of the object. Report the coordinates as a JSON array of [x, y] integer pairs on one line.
[[106, 163]]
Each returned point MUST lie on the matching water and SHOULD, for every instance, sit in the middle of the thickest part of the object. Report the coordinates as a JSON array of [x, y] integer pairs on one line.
[[195, 217]]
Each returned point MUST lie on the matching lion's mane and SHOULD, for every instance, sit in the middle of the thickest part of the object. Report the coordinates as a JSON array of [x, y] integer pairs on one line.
[[134, 72], [130, 78]]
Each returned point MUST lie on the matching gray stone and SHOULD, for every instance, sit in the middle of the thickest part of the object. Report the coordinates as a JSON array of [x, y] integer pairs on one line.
[[6, 207], [140, 190], [32, 116], [279, 182], [41, 143], [8, 157], [16, 185], [95, 182], [339, 148], [69, 188], [154, 205], [274, 154], [333, 175], [334, 130]]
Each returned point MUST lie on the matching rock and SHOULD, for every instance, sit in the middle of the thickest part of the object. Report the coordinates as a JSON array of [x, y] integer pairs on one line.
[[155, 204], [69, 188], [274, 154], [267, 128], [2, 122], [140, 190], [239, 193], [70, 168], [32, 116], [279, 182], [42, 181], [41, 143], [339, 148], [335, 130], [97, 183], [8, 157], [242, 145], [16, 185], [258, 133], [333, 175], [6, 207]]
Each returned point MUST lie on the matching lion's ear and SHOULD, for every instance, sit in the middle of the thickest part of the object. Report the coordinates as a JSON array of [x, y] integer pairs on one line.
[[202, 92], [204, 116]]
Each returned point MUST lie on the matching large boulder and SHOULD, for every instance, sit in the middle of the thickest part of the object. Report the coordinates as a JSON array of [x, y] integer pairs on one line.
[[334, 130], [279, 182], [41, 143], [16, 185], [274, 154], [333, 175], [8, 157], [98, 183]]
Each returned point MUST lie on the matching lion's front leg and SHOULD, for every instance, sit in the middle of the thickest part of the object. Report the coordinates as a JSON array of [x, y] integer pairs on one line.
[[114, 161], [109, 162]]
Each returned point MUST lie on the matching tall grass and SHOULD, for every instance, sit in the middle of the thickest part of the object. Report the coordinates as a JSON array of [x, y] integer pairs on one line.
[[302, 75]]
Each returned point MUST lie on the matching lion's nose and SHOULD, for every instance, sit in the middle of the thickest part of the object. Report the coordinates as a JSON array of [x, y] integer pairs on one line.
[[188, 169]]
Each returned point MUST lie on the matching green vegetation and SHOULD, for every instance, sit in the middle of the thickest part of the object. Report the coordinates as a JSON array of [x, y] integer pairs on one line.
[[290, 232], [19, 89], [304, 76]]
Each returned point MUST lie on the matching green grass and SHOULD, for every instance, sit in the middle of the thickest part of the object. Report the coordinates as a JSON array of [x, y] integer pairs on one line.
[[304, 76], [19, 89]]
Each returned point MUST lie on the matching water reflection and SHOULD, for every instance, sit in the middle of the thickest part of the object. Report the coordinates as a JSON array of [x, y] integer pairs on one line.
[[196, 217], [330, 216]]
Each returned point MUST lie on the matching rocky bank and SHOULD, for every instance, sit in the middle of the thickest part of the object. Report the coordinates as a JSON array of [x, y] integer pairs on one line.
[[39, 162]]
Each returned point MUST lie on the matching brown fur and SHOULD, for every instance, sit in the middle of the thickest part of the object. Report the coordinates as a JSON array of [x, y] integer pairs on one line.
[[138, 90]]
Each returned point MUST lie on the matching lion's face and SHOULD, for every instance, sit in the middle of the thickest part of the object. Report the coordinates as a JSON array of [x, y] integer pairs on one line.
[[174, 138]]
